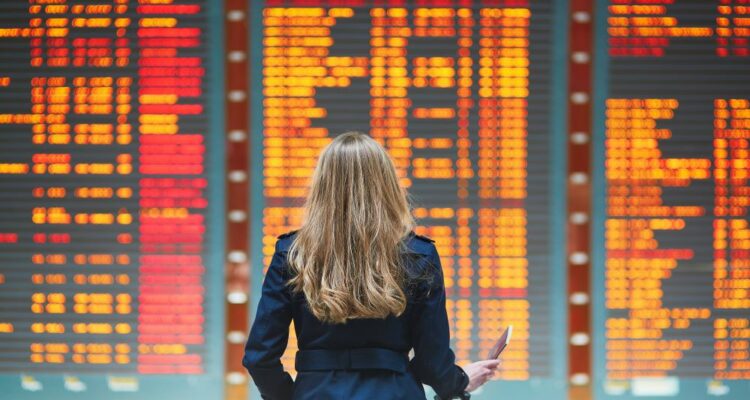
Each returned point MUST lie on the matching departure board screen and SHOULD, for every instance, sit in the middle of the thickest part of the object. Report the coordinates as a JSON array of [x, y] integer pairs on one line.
[[672, 195], [110, 225], [461, 94]]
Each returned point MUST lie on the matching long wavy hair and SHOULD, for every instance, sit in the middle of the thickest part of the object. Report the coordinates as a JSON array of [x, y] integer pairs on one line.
[[346, 257]]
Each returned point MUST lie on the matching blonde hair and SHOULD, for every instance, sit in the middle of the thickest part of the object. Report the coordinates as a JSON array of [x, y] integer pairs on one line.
[[346, 258]]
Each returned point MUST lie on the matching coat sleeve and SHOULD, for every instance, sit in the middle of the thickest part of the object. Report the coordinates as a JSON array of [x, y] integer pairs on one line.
[[434, 361], [270, 333]]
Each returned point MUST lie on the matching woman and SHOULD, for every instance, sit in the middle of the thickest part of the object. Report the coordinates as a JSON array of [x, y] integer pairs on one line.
[[362, 290]]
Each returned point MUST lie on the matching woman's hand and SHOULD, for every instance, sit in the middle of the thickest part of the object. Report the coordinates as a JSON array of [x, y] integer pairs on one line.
[[480, 372]]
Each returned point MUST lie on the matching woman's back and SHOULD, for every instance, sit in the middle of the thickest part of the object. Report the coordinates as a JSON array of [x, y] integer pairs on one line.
[[364, 358], [362, 289]]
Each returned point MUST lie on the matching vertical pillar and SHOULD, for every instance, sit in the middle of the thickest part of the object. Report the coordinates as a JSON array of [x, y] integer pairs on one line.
[[237, 269], [579, 198]]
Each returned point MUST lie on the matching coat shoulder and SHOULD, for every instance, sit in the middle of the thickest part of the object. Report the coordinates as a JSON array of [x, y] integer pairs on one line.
[[287, 234], [424, 238], [285, 240], [420, 244]]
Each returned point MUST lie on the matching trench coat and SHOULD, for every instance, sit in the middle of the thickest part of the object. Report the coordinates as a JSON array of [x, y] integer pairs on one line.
[[364, 358]]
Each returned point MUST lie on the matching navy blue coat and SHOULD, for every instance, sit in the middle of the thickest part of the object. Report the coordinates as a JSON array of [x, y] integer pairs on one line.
[[423, 327]]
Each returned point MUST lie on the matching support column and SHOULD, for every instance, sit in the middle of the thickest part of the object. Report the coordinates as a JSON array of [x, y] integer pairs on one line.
[[579, 198], [237, 267]]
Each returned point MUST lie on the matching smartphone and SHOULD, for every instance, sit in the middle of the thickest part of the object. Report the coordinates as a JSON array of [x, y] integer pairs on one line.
[[501, 344]]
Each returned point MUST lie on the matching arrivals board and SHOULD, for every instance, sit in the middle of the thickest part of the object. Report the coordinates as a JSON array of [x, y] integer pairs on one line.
[[671, 235], [111, 223], [467, 99]]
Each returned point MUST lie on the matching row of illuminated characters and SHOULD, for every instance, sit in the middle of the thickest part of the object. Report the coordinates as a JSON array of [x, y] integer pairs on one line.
[[651, 338], [297, 48], [84, 303], [81, 279], [98, 352], [646, 30]]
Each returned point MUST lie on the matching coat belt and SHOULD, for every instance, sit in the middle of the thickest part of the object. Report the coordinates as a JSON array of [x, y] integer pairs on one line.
[[351, 359]]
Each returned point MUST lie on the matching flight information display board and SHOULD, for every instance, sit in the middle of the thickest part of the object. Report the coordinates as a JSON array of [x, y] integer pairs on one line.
[[111, 221], [461, 94], [672, 239]]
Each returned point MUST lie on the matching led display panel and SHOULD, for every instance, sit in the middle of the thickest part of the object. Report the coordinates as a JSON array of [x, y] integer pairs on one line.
[[672, 261], [111, 191], [461, 94]]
